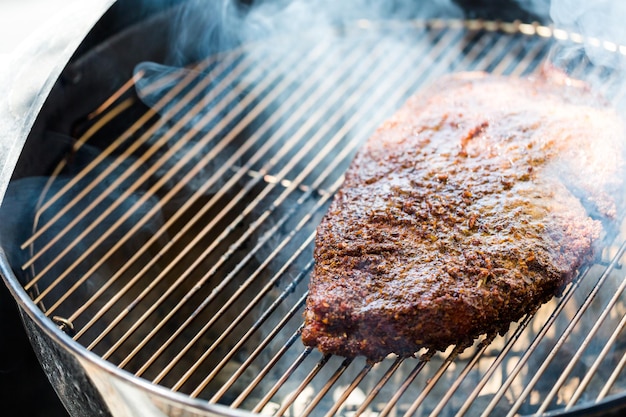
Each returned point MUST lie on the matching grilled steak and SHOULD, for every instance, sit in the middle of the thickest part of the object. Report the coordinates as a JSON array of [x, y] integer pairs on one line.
[[470, 207]]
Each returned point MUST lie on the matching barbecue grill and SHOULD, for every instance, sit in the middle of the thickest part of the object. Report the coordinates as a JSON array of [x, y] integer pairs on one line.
[[165, 202]]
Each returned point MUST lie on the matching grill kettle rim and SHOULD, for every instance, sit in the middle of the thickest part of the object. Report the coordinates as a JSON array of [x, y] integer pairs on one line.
[[31, 72], [124, 394]]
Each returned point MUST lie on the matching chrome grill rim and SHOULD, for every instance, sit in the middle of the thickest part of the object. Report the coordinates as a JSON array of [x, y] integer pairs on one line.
[[36, 312]]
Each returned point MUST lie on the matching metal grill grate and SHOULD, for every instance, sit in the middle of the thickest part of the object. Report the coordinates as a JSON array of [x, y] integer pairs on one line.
[[178, 243]]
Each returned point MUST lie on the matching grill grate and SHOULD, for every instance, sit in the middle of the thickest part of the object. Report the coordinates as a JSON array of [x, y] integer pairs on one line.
[[180, 249]]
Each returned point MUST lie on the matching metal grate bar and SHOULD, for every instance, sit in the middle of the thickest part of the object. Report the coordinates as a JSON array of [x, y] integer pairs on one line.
[[286, 376], [559, 343], [98, 200], [612, 379], [286, 126], [263, 373], [329, 384], [305, 382], [620, 92], [106, 154], [587, 340], [531, 59], [379, 386], [143, 178], [271, 186], [491, 57], [569, 329], [201, 191], [511, 61], [594, 368], [349, 390], [475, 57], [117, 96], [466, 370], [246, 310], [322, 154], [265, 342], [391, 404], [494, 366], [434, 380], [185, 208]]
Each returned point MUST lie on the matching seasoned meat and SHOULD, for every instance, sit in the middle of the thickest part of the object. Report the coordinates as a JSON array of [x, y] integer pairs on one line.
[[470, 207]]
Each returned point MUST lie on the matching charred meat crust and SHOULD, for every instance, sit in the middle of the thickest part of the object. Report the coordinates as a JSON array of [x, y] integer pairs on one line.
[[457, 217]]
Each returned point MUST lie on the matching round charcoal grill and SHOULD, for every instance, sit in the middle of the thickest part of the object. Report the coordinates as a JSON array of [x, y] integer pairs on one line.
[[172, 241]]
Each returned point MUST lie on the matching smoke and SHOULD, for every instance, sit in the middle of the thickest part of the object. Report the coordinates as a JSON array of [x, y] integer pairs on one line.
[[206, 27], [602, 19], [300, 15], [601, 24], [232, 75]]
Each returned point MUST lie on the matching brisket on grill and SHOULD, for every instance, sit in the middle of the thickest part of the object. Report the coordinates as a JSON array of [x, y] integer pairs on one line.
[[469, 208]]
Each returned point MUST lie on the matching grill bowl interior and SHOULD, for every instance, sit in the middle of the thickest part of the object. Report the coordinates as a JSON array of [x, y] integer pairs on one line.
[[174, 236]]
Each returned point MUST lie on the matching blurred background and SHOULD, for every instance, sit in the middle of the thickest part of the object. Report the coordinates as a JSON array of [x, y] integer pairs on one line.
[[20, 18], [24, 389]]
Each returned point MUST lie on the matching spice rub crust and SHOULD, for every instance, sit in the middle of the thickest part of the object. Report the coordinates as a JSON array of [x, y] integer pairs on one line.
[[469, 208]]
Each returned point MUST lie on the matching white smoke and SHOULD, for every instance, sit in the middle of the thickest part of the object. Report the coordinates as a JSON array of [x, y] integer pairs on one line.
[[213, 26], [300, 15], [600, 23]]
